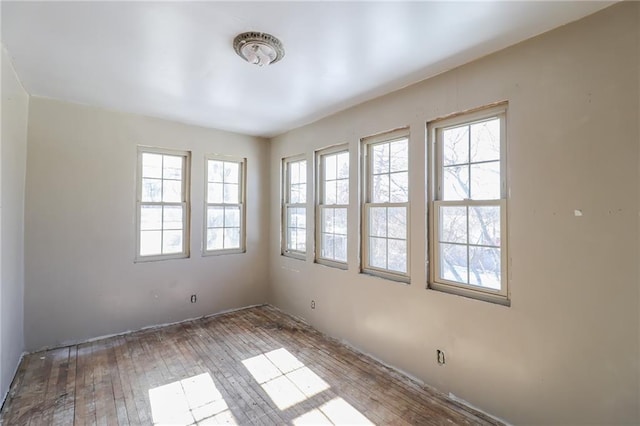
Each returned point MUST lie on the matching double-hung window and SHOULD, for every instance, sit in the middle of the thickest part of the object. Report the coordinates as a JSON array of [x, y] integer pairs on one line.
[[162, 204], [225, 212], [386, 205], [469, 210], [294, 209], [333, 200]]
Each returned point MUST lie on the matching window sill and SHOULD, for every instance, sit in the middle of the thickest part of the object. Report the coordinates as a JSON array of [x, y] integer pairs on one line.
[[402, 279], [147, 259], [222, 252], [331, 264], [497, 299], [296, 256]]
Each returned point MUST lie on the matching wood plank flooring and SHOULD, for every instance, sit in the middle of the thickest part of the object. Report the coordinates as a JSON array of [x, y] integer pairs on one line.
[[254, 366]]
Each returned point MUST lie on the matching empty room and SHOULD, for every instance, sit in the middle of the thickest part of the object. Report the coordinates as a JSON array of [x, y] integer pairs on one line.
[[320, 213]]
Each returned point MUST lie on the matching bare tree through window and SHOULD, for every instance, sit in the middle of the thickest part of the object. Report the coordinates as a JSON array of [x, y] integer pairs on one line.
[[332, 205], [295, 207], [469, 206], [387, 205]]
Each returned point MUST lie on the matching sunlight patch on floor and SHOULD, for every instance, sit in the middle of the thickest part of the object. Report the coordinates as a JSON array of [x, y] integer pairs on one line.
[[284, 378], [192, 401], [288, 382], [335, 412]]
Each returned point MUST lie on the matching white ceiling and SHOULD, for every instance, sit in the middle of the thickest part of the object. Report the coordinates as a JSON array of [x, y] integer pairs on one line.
[[175, 60]]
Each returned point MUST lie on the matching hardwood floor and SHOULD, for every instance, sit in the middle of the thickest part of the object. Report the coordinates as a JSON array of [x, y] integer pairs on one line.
[[254, 366]]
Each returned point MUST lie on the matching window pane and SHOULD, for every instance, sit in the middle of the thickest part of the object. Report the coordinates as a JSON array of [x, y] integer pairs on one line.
[[484, 225], [330, 165], [343, 192], [231, 172], [231, 193], [455, 183], [380, 188], [298, 172], [453, 265], [330, 192], [303, 171], [399, 187], [151, 165], [301, 239], [215, 171], [150, 243], [214, 193], [398, 256], [328, 220], [399, 153], [397, 223], [151, 190], [291, 239], [455, 146], [340, 244], [380, 158], [151, 218], [231, 238], [328, 246], [378, 252], [171, 191], [171, 242], [298, 193], [215, 217], [300, 217], [294, 173], [215, 239], [343, 165], [232, 217], [340, 221], [172, 217], [484, 267], [172, 167], [378, 221], [485, 181], [291, 217], [453, 224], [485, 141]]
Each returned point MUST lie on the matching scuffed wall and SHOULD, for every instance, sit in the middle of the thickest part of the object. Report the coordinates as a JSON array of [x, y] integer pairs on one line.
[[566, 351]]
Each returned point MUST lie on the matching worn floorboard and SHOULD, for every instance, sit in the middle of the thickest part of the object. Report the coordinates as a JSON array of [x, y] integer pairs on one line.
[[254, 366]]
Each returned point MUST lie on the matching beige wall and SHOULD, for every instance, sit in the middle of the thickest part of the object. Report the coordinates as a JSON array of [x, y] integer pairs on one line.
[[81, 281], [566, 351], [13, 149]]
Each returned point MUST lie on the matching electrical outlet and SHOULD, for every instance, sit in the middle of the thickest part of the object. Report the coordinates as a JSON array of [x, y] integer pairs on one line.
[[440, 357], [313, 304], [194, 298]]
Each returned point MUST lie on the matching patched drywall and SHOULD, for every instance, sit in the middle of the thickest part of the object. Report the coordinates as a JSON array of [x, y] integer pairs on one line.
[[567, 350], [81, 279], [13, 158]]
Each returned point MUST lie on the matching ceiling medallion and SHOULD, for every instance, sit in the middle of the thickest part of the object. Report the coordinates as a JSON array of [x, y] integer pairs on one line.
[[258, 48]]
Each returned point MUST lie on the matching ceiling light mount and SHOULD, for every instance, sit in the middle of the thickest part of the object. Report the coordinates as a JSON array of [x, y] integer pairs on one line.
[[258, 48]]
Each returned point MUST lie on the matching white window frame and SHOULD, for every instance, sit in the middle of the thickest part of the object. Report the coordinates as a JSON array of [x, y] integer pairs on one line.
[[242, 163], [185, 203], [434, 131], [367, 178], [320, 206], [286, 204]]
